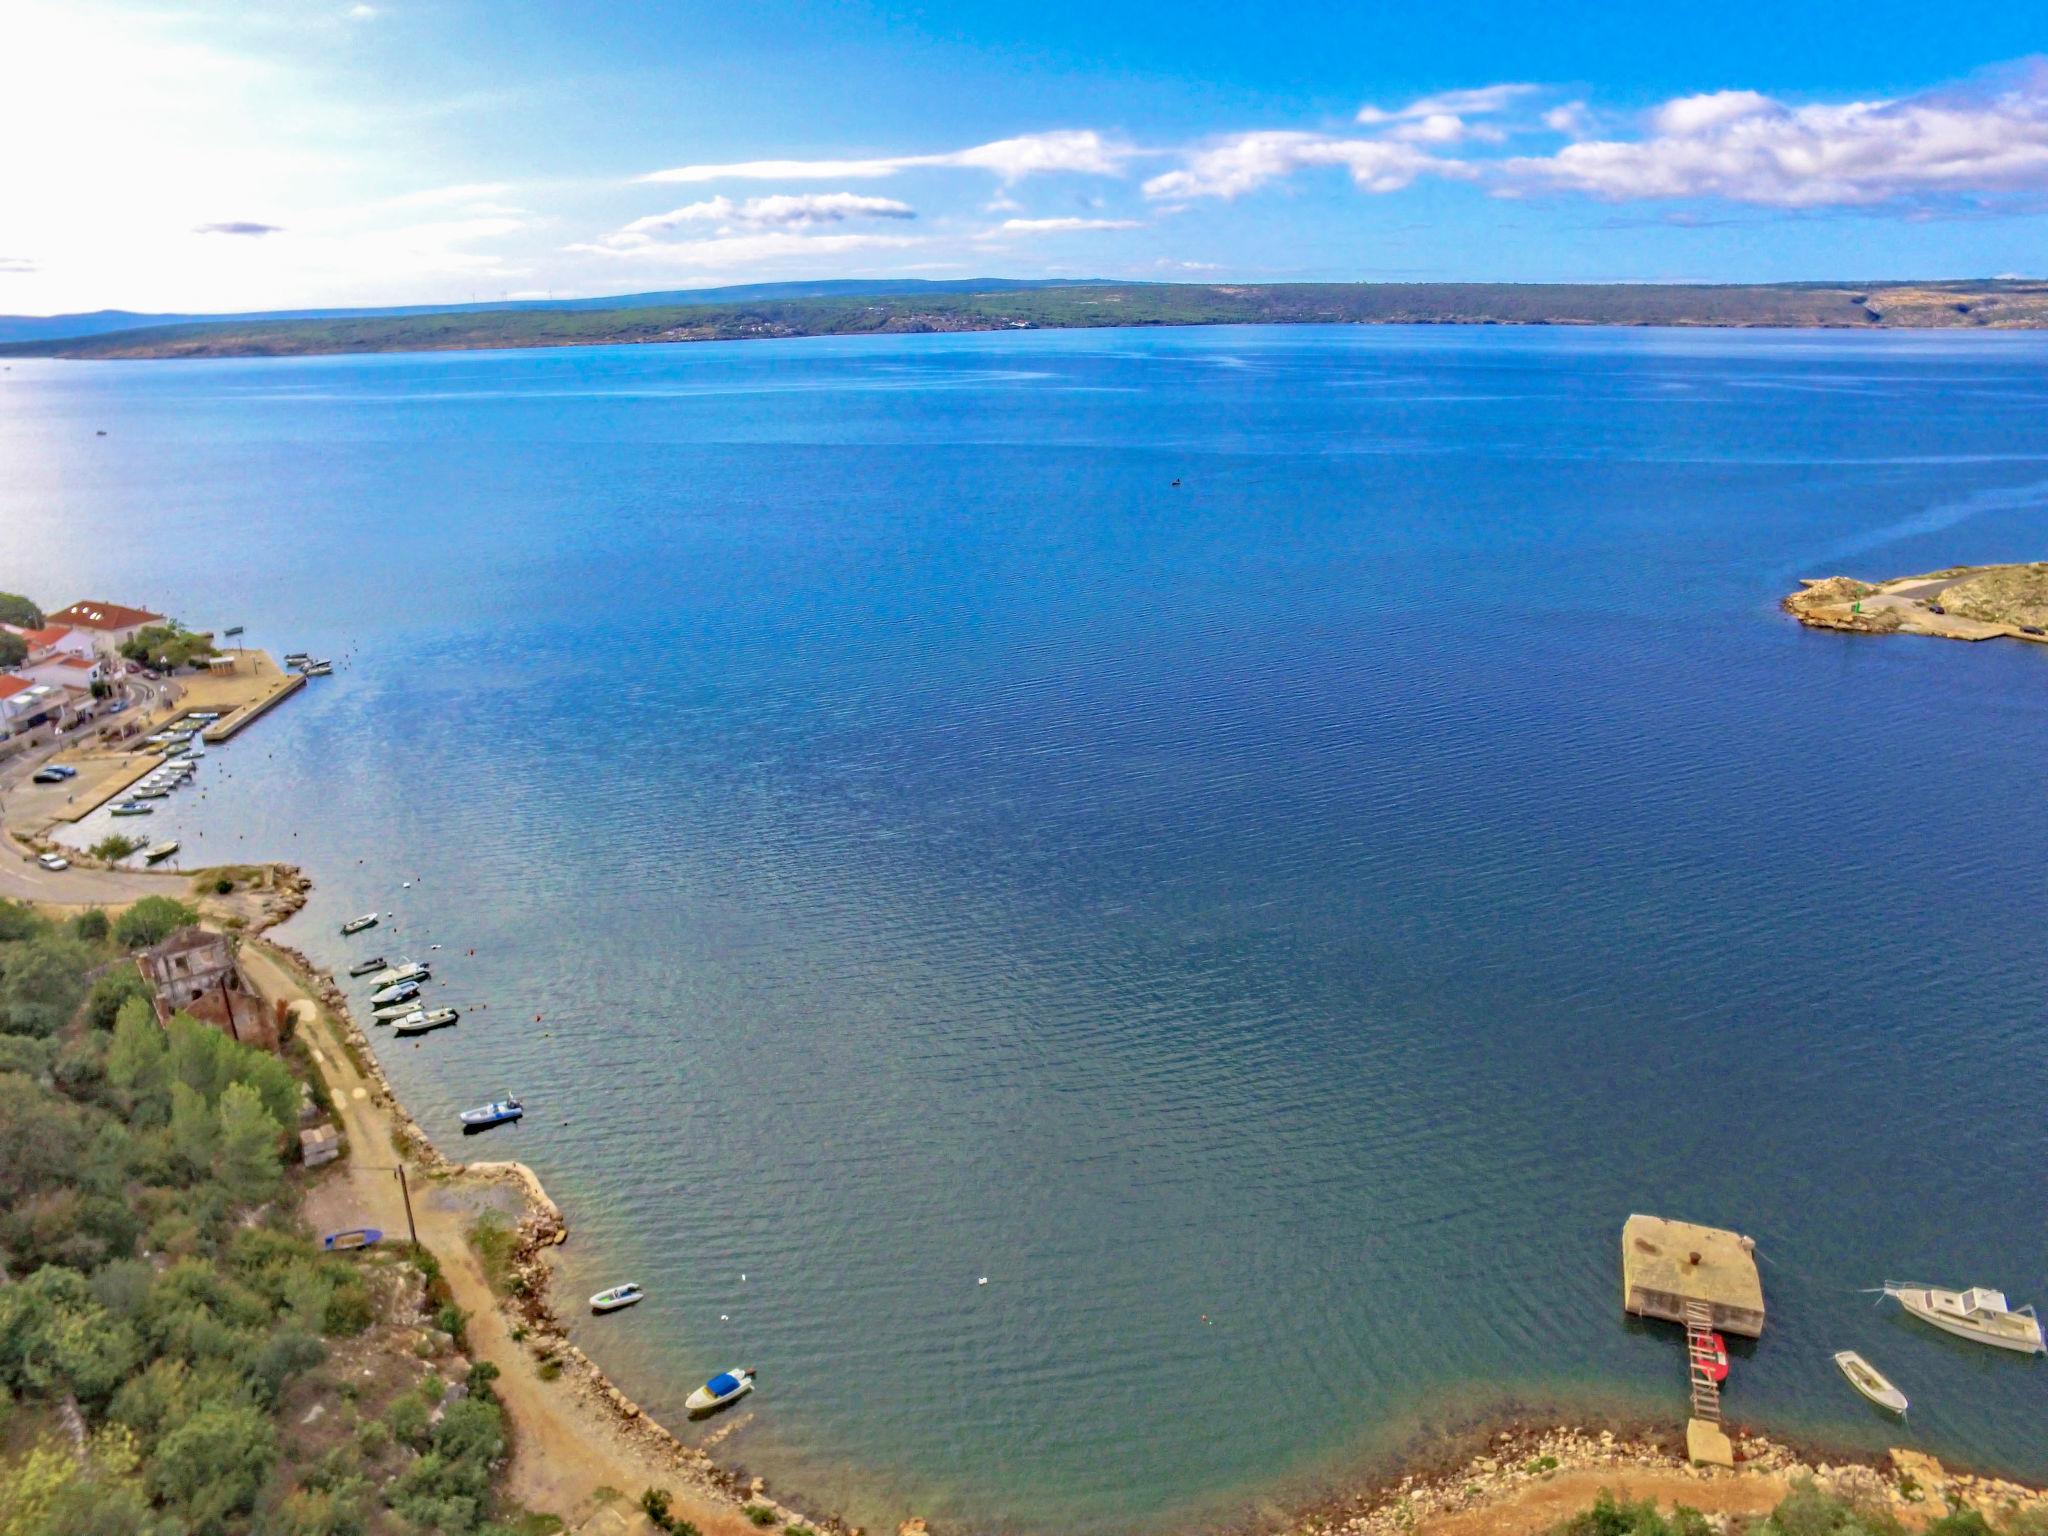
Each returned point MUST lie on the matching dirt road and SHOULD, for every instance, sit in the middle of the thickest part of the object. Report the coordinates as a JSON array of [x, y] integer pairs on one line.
[[565, 1448]]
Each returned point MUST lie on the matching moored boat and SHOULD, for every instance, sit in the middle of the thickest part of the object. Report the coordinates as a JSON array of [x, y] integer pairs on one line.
[[358, 924], [503, 1112], [132, 808], [721, 1389], [364, 967], [1867, 1379], [391, 1013], [616, 1297], [156, 853], [1979, 1313], [405, 970], [403, 992], [421, 1020]]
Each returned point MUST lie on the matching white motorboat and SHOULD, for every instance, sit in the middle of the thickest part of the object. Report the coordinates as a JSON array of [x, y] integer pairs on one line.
[[156, 853], [1979, 1313], [499, 1112], [405, 970], [358, 924], [404, 992], [1867, 1379], [423, 1020], [725, 1387], [391, 1013], [617, 1297]]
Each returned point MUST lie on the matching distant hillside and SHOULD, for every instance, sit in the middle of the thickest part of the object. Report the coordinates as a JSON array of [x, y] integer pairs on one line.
[[755, 314], [100, 321]]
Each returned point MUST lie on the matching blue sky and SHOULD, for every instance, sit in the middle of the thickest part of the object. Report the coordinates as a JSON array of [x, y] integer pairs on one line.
[[224, 155]]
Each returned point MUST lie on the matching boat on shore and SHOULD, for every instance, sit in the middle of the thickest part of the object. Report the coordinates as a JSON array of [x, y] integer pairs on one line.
[[1979, 1313], [402, 992], [156, 853], [407, 970], [364, 967], [423, 1020], [358, 924], [354, 1237], [1867, 1379], [725, 1387], [503, 1112], [616, 1298]]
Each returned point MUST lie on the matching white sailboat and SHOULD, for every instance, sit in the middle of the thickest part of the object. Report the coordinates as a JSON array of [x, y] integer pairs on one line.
[[1979, 1313]]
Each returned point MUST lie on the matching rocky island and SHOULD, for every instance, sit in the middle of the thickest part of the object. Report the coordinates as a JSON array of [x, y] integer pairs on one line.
[[1964, 602]]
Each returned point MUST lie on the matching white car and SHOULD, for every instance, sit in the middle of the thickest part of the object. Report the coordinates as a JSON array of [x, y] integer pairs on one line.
[[53, 861]]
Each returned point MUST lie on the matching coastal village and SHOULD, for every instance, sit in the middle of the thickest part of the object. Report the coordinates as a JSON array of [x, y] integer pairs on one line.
[[91, 723]]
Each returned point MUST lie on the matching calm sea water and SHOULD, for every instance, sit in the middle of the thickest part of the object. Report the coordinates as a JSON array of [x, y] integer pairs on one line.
[[1274, 929]]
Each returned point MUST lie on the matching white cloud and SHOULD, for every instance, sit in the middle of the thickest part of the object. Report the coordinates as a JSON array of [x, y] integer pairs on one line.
[[1749, 148], [1247, 161], [735, 251], [1063, 226], [734, 218], [361, 13], [1571, 119], [1075, 150], [1482, 101]]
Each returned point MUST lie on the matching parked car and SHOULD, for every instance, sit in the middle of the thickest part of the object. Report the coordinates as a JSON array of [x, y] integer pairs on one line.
[[2032, 629], [54, 773], [1936, 608], [53, 861]]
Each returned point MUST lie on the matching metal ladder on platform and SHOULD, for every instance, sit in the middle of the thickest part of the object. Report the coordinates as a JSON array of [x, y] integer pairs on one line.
[[1706, 1392]]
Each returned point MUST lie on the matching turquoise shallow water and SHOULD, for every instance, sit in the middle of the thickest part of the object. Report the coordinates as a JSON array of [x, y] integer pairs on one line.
[[1275, 929]]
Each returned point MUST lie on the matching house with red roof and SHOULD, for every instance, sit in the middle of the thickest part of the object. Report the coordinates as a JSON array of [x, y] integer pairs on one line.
[[26, 703], [53, 639], [110, 625], [66, 669]]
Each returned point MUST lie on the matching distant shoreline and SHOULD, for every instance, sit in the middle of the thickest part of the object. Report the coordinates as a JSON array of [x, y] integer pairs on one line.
[[1961, 305], [1960, 602]]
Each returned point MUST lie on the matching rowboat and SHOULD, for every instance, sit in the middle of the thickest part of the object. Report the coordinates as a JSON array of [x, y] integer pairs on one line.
[[1979, 1313], [1866, 1378], [156, 853], [132, 808], [721, 1389], [358, 924], [364, 967], [503, 1112], [403, 992], [615, 1298], [355, 1237]]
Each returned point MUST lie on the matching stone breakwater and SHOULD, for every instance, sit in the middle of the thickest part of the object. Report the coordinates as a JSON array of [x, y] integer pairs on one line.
[[1913, 1486]]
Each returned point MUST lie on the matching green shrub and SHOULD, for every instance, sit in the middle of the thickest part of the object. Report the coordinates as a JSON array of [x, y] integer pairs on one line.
[[92, 926], [115, 987], [113, 848], [152, 920], [43, 985], [759, 1515]]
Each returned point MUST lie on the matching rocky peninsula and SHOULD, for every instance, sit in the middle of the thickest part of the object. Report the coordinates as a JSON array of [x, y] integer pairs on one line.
[[1963, 602]]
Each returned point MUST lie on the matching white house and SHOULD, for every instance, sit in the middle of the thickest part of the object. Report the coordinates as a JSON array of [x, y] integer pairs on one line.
[[26, 703], [109, 624], [64, 670], [55, 640]]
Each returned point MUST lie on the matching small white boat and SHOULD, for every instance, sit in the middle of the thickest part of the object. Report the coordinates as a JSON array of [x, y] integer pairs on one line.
[[422, 1020], [151, 791], [132, 808], [391, 1013], [317, 668], [405, 970], [358, 924], [721, 1389], [1867, 1379], [617, 1297], [1979, 1313], [156, 853], [404, 992]]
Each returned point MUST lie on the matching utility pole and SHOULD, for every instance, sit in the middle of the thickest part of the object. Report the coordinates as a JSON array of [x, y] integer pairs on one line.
[[406, 1190]]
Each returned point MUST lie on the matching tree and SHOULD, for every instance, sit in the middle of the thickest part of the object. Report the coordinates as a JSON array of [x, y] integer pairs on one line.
[[13, 649], [19, 611], [43, 986], [247, 1165], [195, 1129], [114, 847], [55, 1337], [92, 925], [152, 920], [166, 646], [213, 1465], [138, 1062], [114, 988]]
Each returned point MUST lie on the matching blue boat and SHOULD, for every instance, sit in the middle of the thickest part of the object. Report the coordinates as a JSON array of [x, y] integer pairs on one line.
[[501, 1113], [355, 1237], [721, 1389]]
